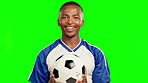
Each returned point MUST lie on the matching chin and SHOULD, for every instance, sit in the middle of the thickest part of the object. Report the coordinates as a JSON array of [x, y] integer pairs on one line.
[[70, 36]]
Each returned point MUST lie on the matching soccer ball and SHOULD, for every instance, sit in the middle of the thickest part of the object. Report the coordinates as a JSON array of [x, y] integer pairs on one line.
[[68, 68]]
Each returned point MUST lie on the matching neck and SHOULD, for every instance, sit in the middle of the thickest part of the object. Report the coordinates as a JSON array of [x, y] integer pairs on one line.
[[71, 42]]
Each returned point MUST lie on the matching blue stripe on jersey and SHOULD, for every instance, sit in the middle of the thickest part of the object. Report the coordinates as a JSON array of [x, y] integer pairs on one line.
[[78, 46], [69, 50]]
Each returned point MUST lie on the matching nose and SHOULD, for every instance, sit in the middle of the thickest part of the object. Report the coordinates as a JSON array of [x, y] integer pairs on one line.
[[70, 20]]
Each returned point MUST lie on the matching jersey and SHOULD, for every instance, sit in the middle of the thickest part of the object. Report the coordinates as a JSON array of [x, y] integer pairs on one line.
[[97, 70]]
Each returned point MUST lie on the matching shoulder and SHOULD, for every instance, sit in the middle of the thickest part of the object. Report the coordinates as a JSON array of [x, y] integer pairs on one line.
[[50, 47], [91, 48], [96, 51]]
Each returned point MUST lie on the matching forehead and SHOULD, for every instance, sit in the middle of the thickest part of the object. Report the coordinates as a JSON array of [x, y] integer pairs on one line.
[[73, 9]]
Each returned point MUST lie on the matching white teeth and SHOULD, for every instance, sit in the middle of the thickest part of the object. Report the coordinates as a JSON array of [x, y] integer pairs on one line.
[[69, 28]]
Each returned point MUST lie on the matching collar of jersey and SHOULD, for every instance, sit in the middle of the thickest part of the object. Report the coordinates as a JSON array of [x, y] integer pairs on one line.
[[68, 48]]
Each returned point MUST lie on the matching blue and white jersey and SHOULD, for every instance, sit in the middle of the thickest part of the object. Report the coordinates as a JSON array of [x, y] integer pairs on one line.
[[96, 66]]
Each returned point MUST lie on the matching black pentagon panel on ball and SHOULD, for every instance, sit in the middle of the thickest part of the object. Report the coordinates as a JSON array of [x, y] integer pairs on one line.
[[69, 64], [71, 80], [56, 73]]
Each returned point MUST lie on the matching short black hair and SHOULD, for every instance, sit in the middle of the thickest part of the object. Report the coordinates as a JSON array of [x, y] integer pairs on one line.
[[71, 3]]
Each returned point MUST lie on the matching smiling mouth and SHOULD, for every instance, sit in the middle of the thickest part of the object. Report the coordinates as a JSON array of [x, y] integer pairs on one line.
[[69, 28]]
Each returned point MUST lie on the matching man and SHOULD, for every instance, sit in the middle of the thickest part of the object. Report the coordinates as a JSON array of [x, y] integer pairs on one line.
[[71, 20]]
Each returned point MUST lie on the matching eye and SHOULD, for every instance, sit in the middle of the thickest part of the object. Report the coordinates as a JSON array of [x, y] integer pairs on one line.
[[64, 17], [76, 17]]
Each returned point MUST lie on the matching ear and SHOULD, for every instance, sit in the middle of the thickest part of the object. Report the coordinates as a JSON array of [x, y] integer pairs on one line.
[[59, 23], [82, 23]]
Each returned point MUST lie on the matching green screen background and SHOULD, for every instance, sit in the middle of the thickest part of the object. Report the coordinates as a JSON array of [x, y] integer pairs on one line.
[[118, 27]]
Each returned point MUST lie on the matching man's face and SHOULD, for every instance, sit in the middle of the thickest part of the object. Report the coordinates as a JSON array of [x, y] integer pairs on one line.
[[70, 20]]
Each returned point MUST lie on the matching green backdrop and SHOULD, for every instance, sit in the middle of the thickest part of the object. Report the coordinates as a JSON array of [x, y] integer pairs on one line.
[[118, 27]]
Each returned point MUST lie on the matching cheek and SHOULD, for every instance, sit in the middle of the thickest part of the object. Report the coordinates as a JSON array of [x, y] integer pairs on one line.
[[78, 23], [63, 21]]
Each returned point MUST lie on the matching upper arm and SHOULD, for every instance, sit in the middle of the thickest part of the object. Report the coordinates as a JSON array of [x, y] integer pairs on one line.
[[40, 71], [101, 73]]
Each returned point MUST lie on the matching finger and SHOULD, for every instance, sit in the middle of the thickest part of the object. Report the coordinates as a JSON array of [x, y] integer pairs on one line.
[[84, 78], [78, 81], [52, 79]]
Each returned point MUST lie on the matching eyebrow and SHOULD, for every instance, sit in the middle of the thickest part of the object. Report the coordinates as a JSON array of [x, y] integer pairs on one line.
[[64, 15], [73, 15], [76, 15]]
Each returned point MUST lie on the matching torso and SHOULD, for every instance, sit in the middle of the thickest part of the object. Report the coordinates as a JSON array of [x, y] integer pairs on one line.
[[80, 50]]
